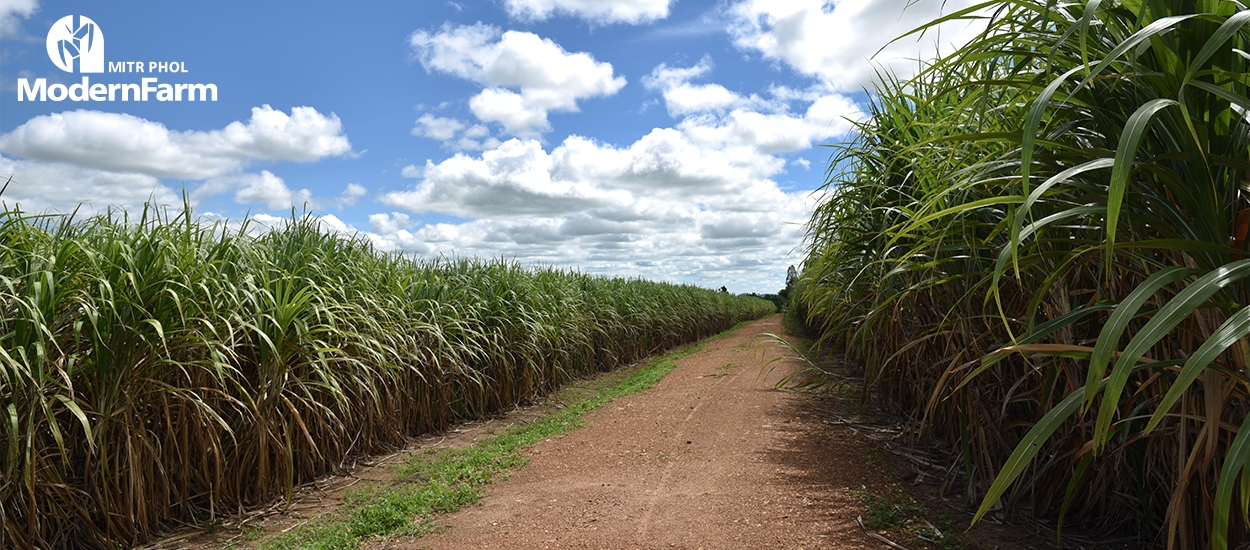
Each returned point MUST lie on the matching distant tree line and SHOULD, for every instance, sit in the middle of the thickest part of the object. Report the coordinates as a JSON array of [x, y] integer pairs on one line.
[[782, 297]]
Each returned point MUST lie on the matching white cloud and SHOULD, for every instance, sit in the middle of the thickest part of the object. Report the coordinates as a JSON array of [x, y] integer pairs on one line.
[[390, 223], [455, 134], [267, 189], [747, 252], [682, 97], [718, 117], [519, 178], [514, 178], [526, 76], [694, 202], [271, 222], [825, 118], [439, 128], [411, 171], [597, 11], [118, 142], [476, 138], [351, 195], [334, 224], [104, 158], [58, 187], [304, 135], [11, 10], [689, 98], [835, 41], [678, 209], [264, 189]]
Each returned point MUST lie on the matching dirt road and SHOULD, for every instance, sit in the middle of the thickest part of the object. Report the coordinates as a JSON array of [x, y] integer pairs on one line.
[[712, 457]]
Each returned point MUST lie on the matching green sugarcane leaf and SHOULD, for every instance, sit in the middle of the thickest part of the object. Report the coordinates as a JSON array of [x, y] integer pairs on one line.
[[1130, 138], [81, 416], [1182, 245], [1171, 314], [1236, 327], [1017, 221], [1234, 463], [1040, 331], [1109, 337], [1153, 29], [1032, 121], [1028, 448], [1213, 45]]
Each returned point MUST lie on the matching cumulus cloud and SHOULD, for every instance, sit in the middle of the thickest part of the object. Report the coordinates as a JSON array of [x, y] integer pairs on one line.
[[834, 41], [677, 208], [268, 189], [596, 11], [695, 201], [264, 188], [351, 195], [437, 127], [119, 159], [714, 116], [825, 118], [514, 178], [13, 10], [521, 178], [682, 244], [526, 76], [390, 223], [121, 142], [683, 97], [455, 134], [57, 187], [271, 191]]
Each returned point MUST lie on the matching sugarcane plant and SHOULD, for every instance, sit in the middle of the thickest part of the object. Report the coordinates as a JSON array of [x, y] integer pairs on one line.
[[156, 370], [1038, 248]]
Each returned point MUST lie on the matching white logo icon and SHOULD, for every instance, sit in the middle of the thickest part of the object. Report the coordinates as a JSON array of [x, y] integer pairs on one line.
[[76, 45]]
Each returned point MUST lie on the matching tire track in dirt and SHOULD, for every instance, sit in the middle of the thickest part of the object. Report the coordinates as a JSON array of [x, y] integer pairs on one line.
[[645, 524], [711, 457]]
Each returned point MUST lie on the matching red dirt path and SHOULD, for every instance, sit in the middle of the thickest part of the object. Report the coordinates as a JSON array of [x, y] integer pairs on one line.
[[712, 457]]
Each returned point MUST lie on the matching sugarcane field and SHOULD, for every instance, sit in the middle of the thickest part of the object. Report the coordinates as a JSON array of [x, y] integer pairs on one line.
[[708, 274]]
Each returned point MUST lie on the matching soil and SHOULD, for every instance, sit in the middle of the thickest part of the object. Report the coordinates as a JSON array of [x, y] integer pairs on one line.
[[712, 457]]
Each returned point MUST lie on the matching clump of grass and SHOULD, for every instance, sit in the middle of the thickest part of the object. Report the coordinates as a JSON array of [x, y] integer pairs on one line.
[[905, 513], [897, 511]]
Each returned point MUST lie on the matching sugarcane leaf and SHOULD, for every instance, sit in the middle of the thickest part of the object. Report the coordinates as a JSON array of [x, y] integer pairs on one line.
[[1028, 448], [1234, 463], [1193, 297], [1236, 327], [1214, 44], [1109, 337], [1131, 136]]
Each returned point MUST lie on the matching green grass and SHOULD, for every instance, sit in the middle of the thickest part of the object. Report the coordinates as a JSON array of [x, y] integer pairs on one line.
[[888, 512], [904, 513], [440, 482]]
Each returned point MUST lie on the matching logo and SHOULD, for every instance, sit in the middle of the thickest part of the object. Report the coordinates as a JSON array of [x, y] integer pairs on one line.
[[76, 45]]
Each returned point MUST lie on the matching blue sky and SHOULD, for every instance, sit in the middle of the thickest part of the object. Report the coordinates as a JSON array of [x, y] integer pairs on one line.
[[673, 140]]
